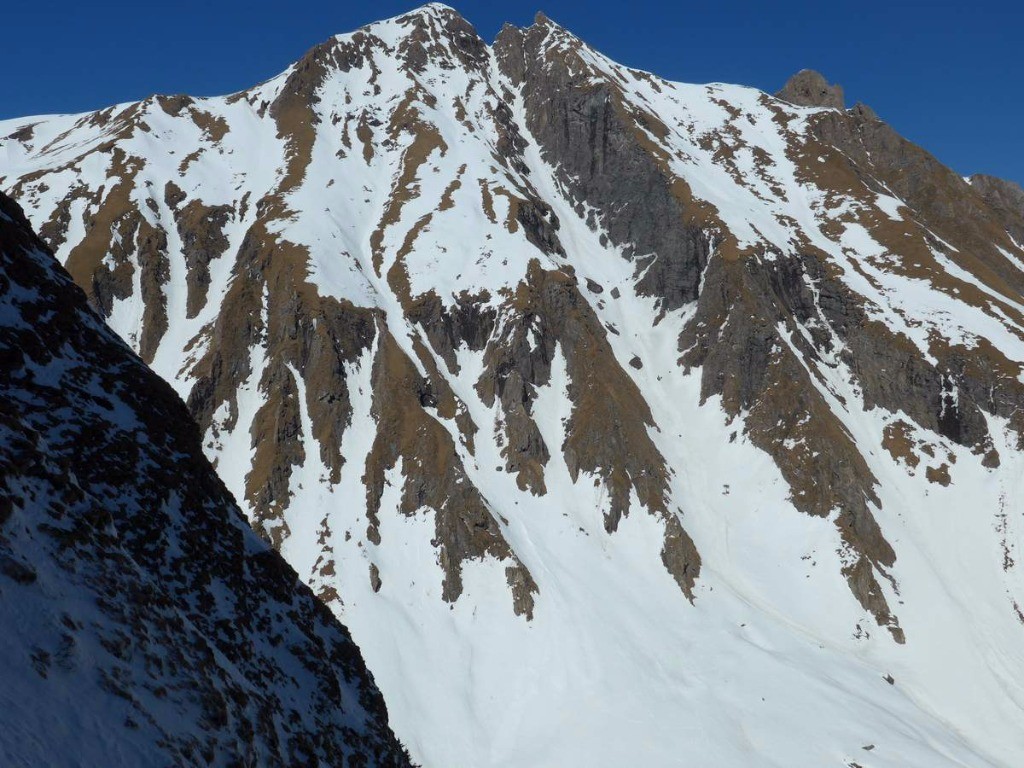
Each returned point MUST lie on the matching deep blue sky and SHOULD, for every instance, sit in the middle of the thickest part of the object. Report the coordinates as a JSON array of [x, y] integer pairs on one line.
[[948, 75]]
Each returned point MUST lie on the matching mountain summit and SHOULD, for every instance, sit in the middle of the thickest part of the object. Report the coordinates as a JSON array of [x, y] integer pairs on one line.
[[808, 88], [621, 420]]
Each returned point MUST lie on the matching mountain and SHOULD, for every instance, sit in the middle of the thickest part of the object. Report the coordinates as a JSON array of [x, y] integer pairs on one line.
[[622, 421], [144, 623]]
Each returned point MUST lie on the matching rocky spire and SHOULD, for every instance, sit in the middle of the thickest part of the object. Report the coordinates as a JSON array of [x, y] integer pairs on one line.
[[808, 88]]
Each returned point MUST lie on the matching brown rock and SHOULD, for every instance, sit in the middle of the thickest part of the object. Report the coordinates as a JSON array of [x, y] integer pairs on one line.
[[808, 88]]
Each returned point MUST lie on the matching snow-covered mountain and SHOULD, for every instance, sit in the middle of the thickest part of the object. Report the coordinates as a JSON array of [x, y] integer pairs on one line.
[[622, 421], [142, 622]]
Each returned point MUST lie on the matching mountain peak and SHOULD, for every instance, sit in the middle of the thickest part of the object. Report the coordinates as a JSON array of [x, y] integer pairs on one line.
[[431, 9], [534, 364], [544, 21], [808, 88], [422, 15]]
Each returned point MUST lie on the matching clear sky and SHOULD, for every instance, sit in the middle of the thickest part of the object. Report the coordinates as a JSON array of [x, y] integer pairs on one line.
[[948, 75]]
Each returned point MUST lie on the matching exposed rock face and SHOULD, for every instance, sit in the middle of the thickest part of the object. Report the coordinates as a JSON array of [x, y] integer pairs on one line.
[[515, 353], [603, 159], [808, 88], [143, 621], [1006, 198]]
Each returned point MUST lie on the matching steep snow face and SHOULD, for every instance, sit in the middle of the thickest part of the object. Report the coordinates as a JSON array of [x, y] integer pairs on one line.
[[622, 421], [143, 622]]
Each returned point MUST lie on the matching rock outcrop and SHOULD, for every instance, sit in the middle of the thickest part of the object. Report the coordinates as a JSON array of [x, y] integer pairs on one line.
[[1006, 198], [808, 88]]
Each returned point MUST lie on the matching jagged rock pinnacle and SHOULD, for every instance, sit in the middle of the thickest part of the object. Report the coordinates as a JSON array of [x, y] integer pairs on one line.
[[808, 88]]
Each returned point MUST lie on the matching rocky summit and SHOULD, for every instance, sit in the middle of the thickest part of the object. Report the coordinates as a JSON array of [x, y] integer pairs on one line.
[[622, 421]]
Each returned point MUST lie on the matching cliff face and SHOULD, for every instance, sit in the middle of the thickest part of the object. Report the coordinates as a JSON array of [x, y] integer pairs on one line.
[[544, 372], [143, 621], [1006, 199]]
